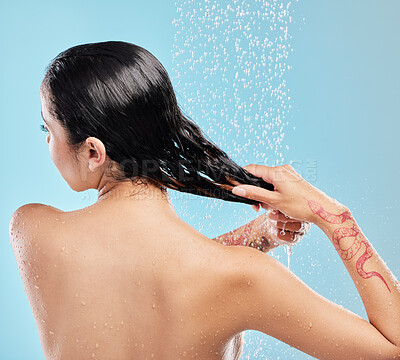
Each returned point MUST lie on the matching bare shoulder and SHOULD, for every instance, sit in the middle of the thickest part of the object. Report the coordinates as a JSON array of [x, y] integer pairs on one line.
[[30, 219], [266, 296], [30, 210]]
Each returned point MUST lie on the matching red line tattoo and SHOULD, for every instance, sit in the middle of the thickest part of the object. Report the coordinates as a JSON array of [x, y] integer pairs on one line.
[[343, 232], [316, 208], [244, 237], [348, 253]]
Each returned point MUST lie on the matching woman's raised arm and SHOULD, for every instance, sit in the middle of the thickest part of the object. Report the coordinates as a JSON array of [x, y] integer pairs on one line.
[[262, 233], [271, 299]]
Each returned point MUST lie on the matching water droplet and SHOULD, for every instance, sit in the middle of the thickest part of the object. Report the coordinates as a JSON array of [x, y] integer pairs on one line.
[[83, 303], [63, 248]]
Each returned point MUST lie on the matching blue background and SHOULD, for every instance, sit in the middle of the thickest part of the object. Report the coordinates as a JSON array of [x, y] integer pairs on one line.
[[344, 87]]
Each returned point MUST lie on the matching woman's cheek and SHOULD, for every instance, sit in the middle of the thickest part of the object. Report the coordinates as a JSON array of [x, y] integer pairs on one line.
[[54, 154], [50, 143]]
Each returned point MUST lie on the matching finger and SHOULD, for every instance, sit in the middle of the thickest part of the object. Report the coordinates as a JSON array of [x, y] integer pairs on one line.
[[232, 181], [277, 215], [256, 207], [257, 193], [289, 236], [290, 226], [267, 173]]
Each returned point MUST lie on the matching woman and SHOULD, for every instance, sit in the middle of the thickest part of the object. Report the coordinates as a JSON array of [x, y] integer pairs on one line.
[[126, 278]]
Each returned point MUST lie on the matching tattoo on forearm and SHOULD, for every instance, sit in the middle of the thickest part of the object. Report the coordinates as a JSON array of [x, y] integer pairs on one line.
[[345, 232], [316, 208], [243, 239]]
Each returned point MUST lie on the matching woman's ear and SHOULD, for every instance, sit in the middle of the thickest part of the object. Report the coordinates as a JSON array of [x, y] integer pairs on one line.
[[95, 152]]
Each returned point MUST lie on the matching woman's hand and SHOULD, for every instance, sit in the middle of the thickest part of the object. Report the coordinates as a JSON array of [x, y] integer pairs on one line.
[[292, 196], [273, 229]]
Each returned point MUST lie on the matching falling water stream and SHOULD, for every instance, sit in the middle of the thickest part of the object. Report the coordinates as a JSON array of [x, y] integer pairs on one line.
[[229, 65], [230, 61]]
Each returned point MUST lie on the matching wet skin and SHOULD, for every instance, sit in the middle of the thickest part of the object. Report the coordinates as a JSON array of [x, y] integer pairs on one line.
[[117, 281]]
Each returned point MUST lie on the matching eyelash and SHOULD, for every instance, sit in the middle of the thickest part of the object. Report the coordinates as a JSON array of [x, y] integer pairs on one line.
[[44, 128]]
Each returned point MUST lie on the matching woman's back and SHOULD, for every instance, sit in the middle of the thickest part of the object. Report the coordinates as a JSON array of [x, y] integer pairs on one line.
[[126, 278], [120, 283]]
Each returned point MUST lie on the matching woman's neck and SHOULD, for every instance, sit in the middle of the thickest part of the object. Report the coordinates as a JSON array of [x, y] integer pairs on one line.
[[129, 190]]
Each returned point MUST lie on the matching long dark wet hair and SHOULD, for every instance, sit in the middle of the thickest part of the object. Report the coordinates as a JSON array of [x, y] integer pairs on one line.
[[121, 94]]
